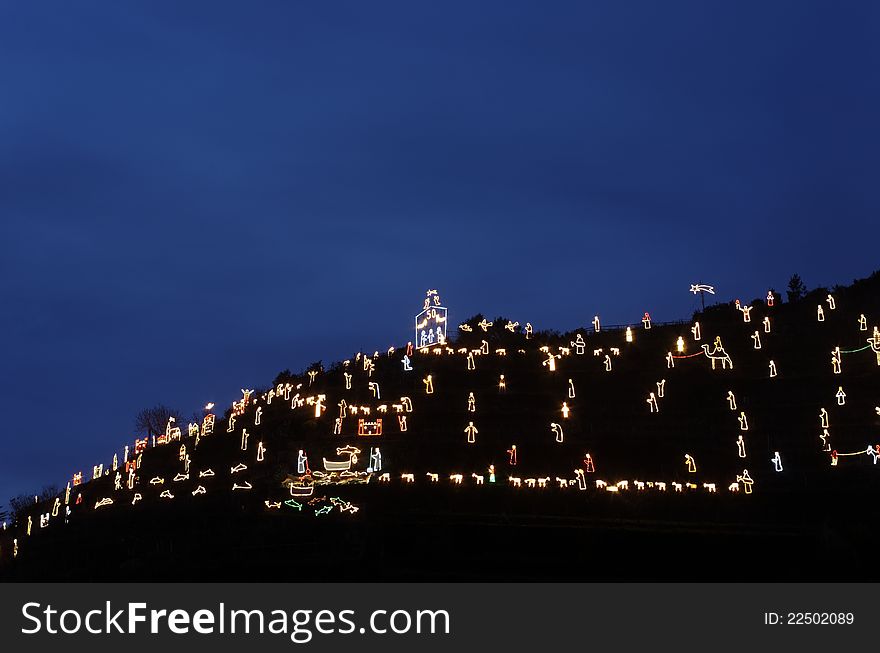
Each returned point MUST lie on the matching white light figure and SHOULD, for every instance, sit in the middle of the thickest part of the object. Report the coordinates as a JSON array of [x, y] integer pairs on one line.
[[756, 340], [874, 341], [347, 380], [484, 347], [747, 313], [743, 422], [718, 354], [429, 385], [691, 463], [374, 389], [512, 456], [471, 431], [258, 416], [261, 452], [607, 363], [741, 447], [131, 479], [841, 396], [565, 410], [695, 330], [702, 287], [375, 460], [772, 369], [302, 462], [731, 400], [502, 384], [820, 313], [401, 422], [652, 402], [766, 324], [471, 364], [836, 360], [550, 363], [231, 424], [831, 303], [746, 480], [661, 388], [472, 403], [407, 404], [874, 452], [629, 334], [826, 446], [863, 322], [579, 345], [571, 389], [670, 360], [337, 426], [770, 298], [777, 461], [117, 482], [407, 364], [125, 455], [679, 345], [244, 439], [557, 431], [646, 320], [484, 325], [823, 418]]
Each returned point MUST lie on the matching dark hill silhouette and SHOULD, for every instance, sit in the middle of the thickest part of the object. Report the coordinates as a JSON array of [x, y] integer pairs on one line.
[[812, 520]]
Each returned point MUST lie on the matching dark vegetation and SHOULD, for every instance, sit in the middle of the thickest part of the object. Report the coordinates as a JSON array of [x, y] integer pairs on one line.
[[812, 521]]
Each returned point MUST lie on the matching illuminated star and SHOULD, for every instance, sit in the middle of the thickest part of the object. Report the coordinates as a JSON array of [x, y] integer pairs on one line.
[[701, 287]]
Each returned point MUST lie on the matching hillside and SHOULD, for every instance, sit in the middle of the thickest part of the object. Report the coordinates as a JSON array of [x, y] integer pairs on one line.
[[634, 459]]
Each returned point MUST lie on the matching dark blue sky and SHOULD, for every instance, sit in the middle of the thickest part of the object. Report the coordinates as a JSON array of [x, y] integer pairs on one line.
[[196, 195]]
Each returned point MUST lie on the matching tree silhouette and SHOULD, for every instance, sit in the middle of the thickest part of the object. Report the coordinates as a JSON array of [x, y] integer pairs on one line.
[[152, 421], [20, 504], [796, 288]]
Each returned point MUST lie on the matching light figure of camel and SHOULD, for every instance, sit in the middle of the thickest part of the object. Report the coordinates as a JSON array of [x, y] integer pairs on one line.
[[718, 354]]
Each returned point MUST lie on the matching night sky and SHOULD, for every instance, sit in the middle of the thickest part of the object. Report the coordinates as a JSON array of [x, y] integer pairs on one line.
[[197, 195]]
